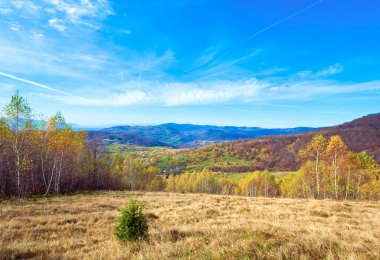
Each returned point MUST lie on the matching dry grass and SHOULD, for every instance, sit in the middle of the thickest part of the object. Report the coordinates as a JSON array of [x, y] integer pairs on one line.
[[191, 226]]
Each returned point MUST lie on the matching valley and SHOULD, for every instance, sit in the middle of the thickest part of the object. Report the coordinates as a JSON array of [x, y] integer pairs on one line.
[[274, 153]]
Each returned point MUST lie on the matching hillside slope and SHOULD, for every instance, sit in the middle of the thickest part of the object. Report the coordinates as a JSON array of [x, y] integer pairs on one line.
[[276, 153]]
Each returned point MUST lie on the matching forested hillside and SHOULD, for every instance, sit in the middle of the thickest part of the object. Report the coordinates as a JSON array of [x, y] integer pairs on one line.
[[48, 157], [51, 158], [272, 153], [125, 138]]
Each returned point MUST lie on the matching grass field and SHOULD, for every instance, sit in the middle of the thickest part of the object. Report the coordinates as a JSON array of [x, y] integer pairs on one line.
[[190, 226]]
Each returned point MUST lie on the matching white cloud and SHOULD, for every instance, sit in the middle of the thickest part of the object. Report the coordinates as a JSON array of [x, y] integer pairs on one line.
[[209, 66], [16, 27], [19, 59], [86, 65], [207, 56], [332, 70], [33, 83], [57, 24], [245, 91], [171, 94], [36, 35], [150, 61], [59, 14], [25, 5], [80, 11], [5, 10], [209, 92], [125, 31]]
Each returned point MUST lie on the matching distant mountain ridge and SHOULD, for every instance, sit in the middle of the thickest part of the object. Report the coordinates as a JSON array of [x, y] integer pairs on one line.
[[124, 138], [185, 135], [275, 152]]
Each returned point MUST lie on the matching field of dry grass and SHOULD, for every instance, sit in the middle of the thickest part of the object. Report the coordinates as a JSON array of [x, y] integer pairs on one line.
[[190, 226]]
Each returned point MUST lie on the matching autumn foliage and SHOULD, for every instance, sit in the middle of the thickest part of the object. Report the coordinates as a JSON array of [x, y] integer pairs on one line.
[[331, 171], [48, 157]]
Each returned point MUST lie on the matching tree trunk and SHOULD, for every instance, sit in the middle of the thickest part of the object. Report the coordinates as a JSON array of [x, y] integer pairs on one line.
[[335, 176], [317, 174]]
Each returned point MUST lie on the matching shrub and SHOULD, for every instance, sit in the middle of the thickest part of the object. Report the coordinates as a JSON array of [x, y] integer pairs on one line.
[[131, 224]]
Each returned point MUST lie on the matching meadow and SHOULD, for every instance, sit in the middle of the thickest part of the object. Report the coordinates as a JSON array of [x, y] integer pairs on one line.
[[190, 226]]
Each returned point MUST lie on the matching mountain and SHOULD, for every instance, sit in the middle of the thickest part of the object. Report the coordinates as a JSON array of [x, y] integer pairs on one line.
[[124, 138], [188, 135], [276, 152]]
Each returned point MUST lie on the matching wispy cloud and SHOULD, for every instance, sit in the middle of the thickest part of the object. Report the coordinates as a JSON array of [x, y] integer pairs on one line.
[[101, 73], [226, 68], [150, 61], [207, 56], [59, 14], [79, 12], [269, 27], [57, 24], [332, 70], [214, 92], [5, 10], [34, 84], [24, 4], [171, 94]]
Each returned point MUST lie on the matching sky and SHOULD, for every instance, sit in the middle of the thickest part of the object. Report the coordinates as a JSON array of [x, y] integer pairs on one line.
[[272, 63]]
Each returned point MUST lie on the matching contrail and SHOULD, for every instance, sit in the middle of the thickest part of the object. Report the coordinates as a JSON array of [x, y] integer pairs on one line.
[[35, 84], [268, 28]]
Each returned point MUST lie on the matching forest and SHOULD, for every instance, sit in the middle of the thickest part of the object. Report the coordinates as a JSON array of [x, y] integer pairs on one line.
[[46, 156]]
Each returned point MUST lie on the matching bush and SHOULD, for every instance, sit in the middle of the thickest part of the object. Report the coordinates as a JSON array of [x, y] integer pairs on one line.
[[131, 224]]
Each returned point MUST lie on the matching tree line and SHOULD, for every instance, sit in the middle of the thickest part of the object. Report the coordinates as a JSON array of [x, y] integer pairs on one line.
[[328, 170], [46, 156]]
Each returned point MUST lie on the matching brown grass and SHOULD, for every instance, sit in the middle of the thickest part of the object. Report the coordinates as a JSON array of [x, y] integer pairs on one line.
[[190, 226]]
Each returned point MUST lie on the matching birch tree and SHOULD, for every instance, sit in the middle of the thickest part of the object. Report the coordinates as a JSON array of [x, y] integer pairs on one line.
[[314, 150], [18, 118], [335, 151]]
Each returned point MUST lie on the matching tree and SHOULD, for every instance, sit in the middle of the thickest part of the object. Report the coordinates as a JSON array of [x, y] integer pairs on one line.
[[117, 169], [96, 153], [46, 156], [364, 170], [18, 118], [171, 183], [226, 186], [336, 151], [258, 184], [131, 224], [314, 150]]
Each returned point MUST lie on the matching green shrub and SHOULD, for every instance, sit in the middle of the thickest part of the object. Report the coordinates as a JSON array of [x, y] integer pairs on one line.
[[131, 224]]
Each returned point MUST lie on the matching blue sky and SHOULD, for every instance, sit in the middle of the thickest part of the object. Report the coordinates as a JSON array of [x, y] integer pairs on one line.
[[271, 63]]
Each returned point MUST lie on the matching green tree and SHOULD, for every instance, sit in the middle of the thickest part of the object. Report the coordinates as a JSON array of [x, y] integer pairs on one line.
[[19, 119], [131, 224]]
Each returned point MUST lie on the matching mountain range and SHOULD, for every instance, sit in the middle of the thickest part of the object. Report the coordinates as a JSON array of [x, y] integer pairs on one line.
[[275, 152], [184, 135]]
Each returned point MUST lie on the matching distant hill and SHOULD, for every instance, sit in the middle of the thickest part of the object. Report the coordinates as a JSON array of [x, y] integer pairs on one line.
[[186, 135], [276, 152], [124, 138]]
